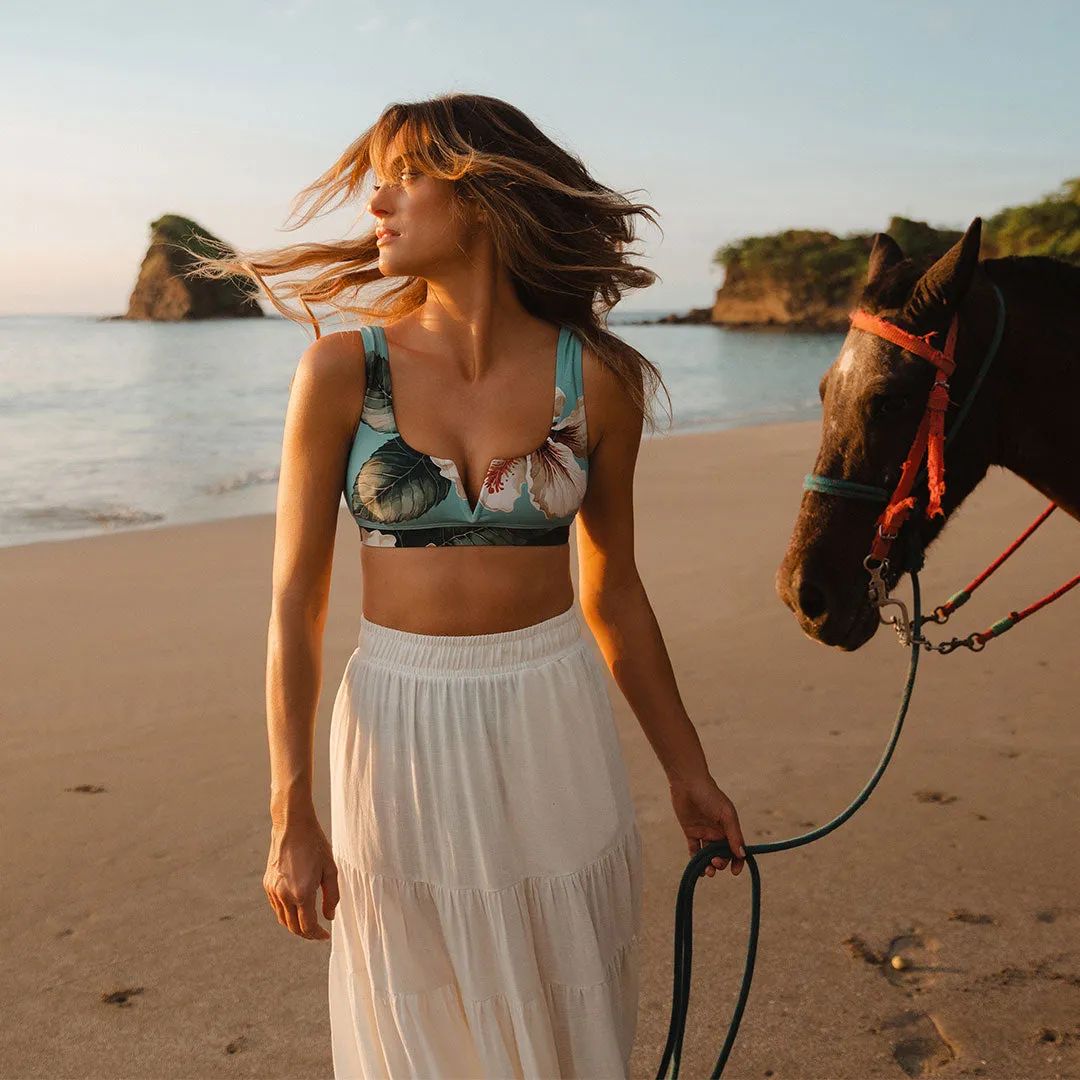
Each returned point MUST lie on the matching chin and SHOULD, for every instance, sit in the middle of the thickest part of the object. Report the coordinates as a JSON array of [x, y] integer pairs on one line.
[[846, 634], [863, 628]]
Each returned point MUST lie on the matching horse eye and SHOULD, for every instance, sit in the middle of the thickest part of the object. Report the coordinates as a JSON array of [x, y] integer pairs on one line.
[[891, 403]]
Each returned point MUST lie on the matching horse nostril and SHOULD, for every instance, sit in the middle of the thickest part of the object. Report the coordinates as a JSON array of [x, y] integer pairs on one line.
[[812, 600]]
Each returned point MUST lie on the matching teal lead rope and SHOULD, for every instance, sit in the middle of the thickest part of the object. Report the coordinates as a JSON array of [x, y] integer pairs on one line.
[[684, 904]]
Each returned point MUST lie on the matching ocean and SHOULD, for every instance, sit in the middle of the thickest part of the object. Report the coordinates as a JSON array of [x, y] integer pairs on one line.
[[125, 425]]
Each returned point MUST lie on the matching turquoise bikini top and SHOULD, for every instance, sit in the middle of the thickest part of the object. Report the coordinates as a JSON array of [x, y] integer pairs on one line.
[[403, 498]]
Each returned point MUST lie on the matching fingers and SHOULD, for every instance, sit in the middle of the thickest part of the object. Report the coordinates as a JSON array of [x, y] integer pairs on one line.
[[298, 916], [733, 832], [310, 927], [330, 894], [718, 863], [275, 903]]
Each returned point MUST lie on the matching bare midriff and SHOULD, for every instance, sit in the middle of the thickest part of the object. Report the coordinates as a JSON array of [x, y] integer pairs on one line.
[[481, 590]]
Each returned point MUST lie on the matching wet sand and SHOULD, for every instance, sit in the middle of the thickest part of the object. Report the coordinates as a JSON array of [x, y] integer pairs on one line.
[[138, 940]]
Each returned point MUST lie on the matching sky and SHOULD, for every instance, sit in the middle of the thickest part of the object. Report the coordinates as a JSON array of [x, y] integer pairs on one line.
[[732, 119]]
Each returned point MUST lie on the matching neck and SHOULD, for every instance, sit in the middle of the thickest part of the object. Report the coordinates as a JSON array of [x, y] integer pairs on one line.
[[1036, 436]]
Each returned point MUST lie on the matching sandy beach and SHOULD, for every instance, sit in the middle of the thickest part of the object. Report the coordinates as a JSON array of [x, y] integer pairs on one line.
[[133, 663]]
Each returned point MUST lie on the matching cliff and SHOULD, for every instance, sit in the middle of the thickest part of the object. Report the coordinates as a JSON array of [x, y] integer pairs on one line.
[[805, 279], [162, 292]]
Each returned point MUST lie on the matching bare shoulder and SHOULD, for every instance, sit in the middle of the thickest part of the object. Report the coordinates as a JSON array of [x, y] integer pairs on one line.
[[608, 404], [335, 358], [330, 376]]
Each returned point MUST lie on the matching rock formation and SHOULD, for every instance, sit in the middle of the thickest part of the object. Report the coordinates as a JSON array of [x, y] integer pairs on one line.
[[163, 292], [805, 279]]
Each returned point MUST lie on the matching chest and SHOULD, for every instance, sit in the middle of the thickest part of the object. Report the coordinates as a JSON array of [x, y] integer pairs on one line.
[[513, 451]]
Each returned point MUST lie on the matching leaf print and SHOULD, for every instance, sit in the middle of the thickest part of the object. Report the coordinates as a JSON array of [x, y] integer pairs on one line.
[[397, 484], [484, 535], [556, 482], [378, 410]]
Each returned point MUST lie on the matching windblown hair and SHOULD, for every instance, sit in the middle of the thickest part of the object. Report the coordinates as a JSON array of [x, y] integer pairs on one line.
[[560, 233]]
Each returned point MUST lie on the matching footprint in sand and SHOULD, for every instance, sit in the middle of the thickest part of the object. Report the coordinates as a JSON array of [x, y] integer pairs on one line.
[[238, 1044], [935, 797], [121, 997], [1052, 1035], [89, 789], [921, 1047], [965, 916], [1052, 914], [909, 961], [912, 962]]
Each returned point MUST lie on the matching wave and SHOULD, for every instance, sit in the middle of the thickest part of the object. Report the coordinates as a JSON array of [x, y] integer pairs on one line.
[[251, 478], [78, 517], [780, 413]]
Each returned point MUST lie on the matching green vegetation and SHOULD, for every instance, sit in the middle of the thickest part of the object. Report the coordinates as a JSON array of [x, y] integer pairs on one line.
[[819, 268], [1048, 227], [813, 265], [190, 236]]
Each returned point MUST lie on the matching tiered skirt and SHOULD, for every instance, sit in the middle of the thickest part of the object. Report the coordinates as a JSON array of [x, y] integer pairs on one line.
[[489, 860]]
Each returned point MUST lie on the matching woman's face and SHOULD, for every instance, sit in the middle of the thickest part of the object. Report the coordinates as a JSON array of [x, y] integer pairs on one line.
[[419, 210]]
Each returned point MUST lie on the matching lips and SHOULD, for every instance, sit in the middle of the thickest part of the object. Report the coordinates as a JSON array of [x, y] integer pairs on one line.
[[384, 234]]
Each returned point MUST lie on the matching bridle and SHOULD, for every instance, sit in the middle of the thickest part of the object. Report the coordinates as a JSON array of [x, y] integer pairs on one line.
[[929, 444]]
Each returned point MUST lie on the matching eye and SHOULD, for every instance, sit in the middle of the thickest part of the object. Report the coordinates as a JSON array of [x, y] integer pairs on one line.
[[890, 404], [405, 174]]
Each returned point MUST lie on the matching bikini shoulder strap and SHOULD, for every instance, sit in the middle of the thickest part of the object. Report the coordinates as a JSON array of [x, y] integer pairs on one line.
[[575, 382], [378, 407]]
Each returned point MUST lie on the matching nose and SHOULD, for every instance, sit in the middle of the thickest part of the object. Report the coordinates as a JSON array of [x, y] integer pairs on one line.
[[813, 598], [375, 205], [806, 592]]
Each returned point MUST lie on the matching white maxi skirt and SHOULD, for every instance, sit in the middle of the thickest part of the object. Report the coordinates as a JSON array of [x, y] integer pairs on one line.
[[489, 860]]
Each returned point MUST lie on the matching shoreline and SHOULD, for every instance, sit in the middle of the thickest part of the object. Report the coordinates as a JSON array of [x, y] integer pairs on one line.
[[259, 499]]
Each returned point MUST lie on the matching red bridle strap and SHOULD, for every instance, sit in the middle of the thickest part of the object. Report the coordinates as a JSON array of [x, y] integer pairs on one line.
[[929, 439], [920, 346]]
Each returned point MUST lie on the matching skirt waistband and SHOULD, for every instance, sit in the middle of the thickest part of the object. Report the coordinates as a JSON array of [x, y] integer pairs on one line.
[[503, 650]]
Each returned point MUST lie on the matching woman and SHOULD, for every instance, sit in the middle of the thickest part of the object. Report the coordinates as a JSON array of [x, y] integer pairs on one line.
[[484, 880]]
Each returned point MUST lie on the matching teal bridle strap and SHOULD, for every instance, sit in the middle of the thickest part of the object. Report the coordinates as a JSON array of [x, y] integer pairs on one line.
[[826, 485]]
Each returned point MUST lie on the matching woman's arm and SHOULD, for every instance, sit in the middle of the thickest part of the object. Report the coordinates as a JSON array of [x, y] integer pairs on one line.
[[325, 399], [323, 403], [618, 612]]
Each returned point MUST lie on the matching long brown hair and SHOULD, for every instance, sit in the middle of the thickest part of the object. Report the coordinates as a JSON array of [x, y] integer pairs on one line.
[[561, 234]]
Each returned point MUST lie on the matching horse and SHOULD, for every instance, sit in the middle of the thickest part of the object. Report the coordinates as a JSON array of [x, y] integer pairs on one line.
[[1020, 312]]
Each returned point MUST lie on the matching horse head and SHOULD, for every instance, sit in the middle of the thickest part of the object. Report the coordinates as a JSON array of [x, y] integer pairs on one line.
[[874, 398]]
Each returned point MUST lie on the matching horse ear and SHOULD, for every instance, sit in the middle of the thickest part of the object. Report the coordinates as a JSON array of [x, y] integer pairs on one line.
[[946, 283], [885, 252]]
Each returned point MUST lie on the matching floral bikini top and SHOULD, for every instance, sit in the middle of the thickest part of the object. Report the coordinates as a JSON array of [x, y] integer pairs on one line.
[[403, 498]]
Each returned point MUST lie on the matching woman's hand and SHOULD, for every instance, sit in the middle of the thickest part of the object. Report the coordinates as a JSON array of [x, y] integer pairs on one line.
[[301, 859], [705, 814]]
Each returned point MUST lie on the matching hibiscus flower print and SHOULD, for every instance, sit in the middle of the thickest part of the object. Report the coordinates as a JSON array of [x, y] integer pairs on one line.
[[556, 482], [501, 485], [377, 538]]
